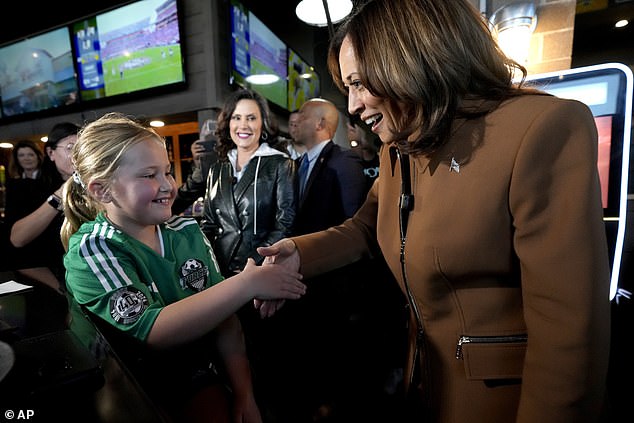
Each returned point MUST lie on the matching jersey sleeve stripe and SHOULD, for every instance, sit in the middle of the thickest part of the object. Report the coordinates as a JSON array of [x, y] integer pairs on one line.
[[100, 259], [179, 223]]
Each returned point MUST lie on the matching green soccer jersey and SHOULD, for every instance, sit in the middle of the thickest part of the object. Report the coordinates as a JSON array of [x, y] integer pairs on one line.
[[126, 283]]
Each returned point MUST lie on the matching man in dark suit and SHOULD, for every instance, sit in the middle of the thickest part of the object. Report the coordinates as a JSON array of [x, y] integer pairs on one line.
[[334, 187]]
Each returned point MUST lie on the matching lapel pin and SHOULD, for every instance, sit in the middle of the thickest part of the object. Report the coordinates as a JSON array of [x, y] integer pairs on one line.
[[454, 166]]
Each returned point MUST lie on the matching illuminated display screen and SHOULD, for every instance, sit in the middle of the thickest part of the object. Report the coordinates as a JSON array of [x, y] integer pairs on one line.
[[257, 52], [132, 48], [37, 74], [303, 81]]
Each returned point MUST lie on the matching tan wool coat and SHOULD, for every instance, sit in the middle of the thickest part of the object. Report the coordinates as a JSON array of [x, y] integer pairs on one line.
[[506, 255]]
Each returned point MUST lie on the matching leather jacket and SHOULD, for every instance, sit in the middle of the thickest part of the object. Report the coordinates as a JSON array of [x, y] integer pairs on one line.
[[231, 222]]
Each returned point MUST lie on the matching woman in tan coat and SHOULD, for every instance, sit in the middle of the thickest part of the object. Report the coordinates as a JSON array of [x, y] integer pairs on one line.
[[487, 211]]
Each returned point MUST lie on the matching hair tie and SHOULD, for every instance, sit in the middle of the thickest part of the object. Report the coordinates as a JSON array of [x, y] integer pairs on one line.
[[77, 180]]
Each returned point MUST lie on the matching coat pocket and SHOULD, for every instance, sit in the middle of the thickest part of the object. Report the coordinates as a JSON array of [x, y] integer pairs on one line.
[[492, 357]]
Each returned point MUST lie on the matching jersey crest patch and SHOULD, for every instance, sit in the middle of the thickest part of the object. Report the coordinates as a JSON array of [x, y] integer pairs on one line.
[[194, 275], [127, 305]]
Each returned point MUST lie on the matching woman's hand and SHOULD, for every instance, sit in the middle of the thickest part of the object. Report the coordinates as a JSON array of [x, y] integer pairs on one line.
[[283, 253], [273, 281]]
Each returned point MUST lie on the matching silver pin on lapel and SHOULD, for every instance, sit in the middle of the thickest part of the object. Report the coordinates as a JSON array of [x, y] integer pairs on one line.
[[454, 166]]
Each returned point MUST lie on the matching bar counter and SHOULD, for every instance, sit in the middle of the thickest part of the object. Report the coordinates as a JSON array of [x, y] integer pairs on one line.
[[57, 363]]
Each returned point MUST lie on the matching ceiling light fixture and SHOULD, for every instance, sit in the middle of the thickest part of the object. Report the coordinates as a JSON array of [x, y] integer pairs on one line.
[[323, 12], [262, 79], [157, 123], [621, 23], [513, 25], [6, 145]]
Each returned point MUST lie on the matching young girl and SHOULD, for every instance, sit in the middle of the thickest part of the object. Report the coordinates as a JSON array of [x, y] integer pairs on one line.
[[154, 277]]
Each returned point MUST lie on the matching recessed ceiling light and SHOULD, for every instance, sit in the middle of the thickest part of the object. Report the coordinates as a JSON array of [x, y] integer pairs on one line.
[[6, 145], [262, 79], [621, 23], [157, 123]]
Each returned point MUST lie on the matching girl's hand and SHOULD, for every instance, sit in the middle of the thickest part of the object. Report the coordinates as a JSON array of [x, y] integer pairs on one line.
[[273, 281]]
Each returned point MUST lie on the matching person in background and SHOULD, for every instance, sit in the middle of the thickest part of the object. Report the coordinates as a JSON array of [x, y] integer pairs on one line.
[[312, 336], [203, 156], [509, 311], [249, 201], [333, 185], [194, 186], [26, 160], [153, 278], [367, 145], [250, 198], [295, 150], [288, 145], [34, 208]]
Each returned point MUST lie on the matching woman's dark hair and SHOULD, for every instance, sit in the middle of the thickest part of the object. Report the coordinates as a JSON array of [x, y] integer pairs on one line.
[[50, 174], [425, 58], [15, 170], [269, 126]]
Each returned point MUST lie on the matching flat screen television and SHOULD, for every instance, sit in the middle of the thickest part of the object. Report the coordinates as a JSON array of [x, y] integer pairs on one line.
[[303, 81], [607, 90], [132, 48], [258, 56], [37, 74]]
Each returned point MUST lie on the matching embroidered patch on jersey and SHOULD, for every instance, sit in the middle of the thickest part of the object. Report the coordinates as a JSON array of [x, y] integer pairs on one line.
[[194, 275], [127, 305]]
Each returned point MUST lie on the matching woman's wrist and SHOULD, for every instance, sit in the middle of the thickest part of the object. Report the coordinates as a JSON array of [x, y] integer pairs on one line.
[[55, 202]]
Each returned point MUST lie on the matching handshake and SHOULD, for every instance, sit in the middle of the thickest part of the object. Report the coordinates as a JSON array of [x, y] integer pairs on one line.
[[283, 253]]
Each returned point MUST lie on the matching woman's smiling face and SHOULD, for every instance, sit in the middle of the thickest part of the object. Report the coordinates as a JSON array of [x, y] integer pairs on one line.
[[245, 126], [374, 111]]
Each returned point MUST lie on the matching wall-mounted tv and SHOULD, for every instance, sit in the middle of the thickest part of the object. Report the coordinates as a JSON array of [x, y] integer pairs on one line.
[[258, 56], [303, 81], [132, 48], [37, 74]]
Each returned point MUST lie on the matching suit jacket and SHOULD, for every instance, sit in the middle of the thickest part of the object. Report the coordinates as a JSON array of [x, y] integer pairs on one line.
[[505, 240], [334, 191]]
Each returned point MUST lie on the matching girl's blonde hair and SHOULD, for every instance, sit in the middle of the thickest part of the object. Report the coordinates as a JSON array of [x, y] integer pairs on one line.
[[98, 152]]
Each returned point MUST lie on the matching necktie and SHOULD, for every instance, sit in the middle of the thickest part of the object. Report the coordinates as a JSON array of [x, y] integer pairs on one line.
[[303, 174]]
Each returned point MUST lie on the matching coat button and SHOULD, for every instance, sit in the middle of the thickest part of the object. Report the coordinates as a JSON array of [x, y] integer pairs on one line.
[[217, 211]]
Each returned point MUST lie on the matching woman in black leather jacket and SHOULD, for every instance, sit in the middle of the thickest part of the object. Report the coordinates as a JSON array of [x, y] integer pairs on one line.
[[249, 202], [248, 173]]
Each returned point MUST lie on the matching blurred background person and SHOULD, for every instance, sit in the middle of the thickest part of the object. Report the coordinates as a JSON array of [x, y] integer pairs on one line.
[[204, 155], [34, 209], [26, 160], [366, 145], [289, 145]]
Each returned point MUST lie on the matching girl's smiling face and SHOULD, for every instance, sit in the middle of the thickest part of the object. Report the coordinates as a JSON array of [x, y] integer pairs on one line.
[[142, 189]]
